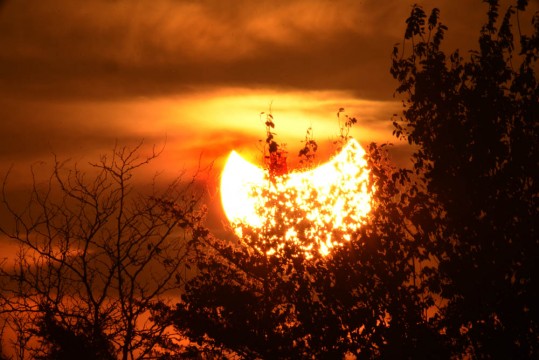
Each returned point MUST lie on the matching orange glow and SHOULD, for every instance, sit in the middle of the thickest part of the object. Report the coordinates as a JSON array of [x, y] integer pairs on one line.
[[334, 198]]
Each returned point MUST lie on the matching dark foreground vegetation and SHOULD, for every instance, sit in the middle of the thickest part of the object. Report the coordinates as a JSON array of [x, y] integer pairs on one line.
[[446, 265]]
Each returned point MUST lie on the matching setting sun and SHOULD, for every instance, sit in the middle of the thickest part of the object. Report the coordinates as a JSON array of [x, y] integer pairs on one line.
[[333, 197]]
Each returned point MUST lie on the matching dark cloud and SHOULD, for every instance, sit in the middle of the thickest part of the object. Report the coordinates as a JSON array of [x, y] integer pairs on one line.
[[280, 69], [116, 49]]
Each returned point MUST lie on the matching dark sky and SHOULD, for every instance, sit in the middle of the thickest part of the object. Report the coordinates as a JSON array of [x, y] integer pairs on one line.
[[76, 76]]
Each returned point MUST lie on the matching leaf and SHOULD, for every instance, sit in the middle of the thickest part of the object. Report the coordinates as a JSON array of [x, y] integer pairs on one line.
[[415, 22], [433, 18], [522, 4]]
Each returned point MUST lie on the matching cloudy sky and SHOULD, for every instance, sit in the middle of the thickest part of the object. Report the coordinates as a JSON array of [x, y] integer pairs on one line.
[[78, 76]]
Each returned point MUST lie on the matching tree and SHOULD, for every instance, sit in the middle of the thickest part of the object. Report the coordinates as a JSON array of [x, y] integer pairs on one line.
[[2, 329], [264, 296], [97, 253], [474, 121]]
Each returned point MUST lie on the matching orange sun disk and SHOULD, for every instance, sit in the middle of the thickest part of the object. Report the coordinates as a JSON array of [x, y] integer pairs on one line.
[[334, 197]]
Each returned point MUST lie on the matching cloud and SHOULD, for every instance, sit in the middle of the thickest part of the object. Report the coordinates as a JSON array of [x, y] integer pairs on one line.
[[39, 128], [112, 49], [123, 49], [204, 124]]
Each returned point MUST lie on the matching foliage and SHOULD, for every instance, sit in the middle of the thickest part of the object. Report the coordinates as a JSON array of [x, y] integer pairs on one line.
[[96, 254], [274, 154], [67, 342], [252, 299], [475, 124]]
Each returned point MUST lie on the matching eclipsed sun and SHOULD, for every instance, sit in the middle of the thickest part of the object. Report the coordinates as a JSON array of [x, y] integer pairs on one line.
[[318, 209]]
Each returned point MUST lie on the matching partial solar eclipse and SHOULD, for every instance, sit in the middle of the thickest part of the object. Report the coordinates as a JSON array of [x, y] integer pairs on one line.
[[333, 198]]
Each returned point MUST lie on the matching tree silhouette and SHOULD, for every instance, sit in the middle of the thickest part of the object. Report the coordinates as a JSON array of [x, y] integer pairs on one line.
[[2, 330], [97, 253], [475, 121], [266, 297], [65, 342]]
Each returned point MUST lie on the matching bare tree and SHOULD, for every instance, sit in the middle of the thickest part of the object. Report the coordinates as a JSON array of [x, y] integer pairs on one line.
[[96, 254]]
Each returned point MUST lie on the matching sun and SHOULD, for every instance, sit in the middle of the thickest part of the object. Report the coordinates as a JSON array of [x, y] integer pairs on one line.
[[333, 199]]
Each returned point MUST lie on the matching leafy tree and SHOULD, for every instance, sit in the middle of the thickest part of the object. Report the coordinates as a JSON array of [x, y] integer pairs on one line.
[[475, 123], [97, 253], [265, 297], [65, 342]]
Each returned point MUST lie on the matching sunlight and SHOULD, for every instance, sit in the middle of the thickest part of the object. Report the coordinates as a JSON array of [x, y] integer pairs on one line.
[[334, 198], [239, 176]]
